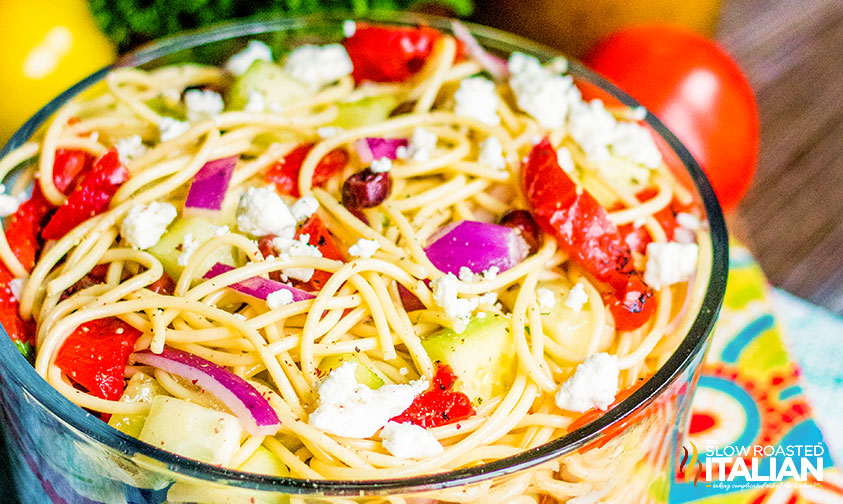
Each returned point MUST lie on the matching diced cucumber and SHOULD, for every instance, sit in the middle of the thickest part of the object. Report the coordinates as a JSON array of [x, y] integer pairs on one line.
[[569, 328], [371, 110], [169, 247], [269, 80], [192, 431], [141, 388], [363, 374], [482, 356], [264, 461]]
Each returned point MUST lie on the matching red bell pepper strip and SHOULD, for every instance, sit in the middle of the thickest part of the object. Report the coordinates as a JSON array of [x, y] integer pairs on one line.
[[25, 225], [90, 197], [389, 53], [319, 237], [440, 404], [285, 173], [95, 356], [582, 228], [22, 333]]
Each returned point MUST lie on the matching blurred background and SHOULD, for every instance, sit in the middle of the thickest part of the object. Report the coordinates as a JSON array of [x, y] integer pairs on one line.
[[789, 52]]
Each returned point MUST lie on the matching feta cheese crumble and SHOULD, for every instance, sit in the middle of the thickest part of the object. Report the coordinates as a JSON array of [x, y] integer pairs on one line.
[[202, 103], [445, 295], [465, 274], [318, 66], [476, 98], [289, 248], [577, 298], [188, 247], [421, 146], [364, 248], [689, 224], [540, 92], [565, 160], [382, 165], [261, 212], [254, 51], [8, 204], [670, 263], [170, 128], [304, 208], [16, 287], [349, 28], [349, 409], [593, 385], [329, 131], [144, 225], [256, 102], [407, 440], [545, 298], [491, 273], [130, 148], [491, 153], [278, 299]]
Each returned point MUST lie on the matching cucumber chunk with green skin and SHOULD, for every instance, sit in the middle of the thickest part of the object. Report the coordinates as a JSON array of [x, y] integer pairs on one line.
[[264, 461], [364, 375], [482, 356], [141, 388], [275, 85], [171, 245], [371, 110]]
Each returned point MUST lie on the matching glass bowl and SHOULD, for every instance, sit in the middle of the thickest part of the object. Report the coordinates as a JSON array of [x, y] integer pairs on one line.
[[60, 453]]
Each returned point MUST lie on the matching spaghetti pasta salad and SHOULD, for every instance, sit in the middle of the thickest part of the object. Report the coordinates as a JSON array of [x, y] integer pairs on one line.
[[391, 256]]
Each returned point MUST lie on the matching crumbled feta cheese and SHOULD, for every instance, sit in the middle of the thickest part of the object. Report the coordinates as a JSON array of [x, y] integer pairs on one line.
[[304, 208], [8, 204], [349, 409], [689, 224], [565, 160], [144, 225], [254, 51], [491, 153], [481, 315], [364, 248], [382, 165], [593, 385], [421, 145], [202, 103], [545, 297], [329, 131], [256, 103], [349, 28], [577, 298], [403, 371], [634, 143], [16, 287], [279, 298], [408, 440], [445, 295], [319, 65], [130, 148], [670, 263], [491, 273], [465, 274], [489, 298], [540, 92], [261, 212], [476, 98], [188, 247], [170, 128], [219, 230], [289, 248]]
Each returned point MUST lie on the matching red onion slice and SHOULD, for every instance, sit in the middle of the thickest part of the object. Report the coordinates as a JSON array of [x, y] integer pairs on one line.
[[257, 287], [477, 246], [496, 66], [369, 149], [252, 409], [209, 186]]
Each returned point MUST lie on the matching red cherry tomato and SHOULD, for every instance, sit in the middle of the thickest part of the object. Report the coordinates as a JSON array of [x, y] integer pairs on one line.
[[285, 173], [389, 53], [697, 90]]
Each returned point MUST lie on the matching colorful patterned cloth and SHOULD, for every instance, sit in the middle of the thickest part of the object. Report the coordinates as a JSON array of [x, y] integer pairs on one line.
[[750, 397]]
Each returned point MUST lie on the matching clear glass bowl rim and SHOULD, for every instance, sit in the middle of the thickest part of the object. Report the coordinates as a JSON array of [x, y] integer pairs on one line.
[[692, 345]]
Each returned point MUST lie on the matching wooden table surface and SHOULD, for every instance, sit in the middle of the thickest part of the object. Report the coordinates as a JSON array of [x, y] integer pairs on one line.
[[792, 217]]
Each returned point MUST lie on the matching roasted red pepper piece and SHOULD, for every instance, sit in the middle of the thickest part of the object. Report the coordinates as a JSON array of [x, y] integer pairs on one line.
[[389, 53], [95, 356], [285, 173], [25, 225], [22, 333], [440, 404], [164, 285], [90, 197], [69, 164], [319, 237], [582, 228]]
